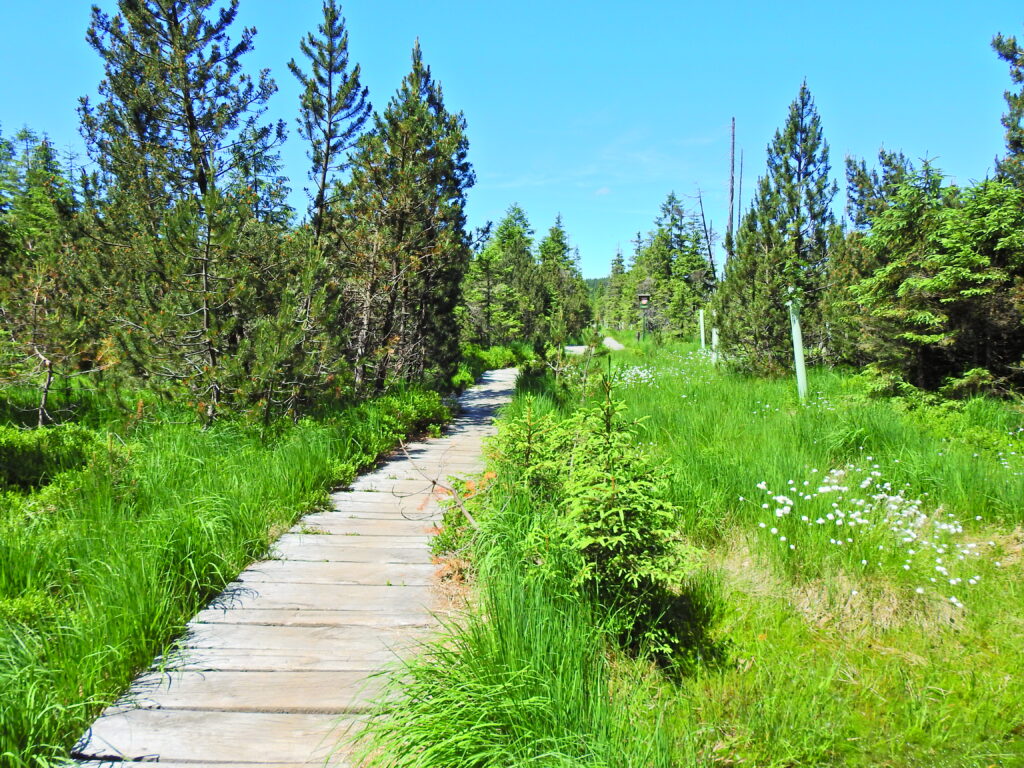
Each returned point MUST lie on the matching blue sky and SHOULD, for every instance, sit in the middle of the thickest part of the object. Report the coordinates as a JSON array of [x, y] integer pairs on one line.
[[596, 110]]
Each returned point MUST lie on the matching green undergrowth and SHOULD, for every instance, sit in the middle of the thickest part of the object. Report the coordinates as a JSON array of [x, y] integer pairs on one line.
[[102, 564], [477, 360], [839, 583], [583, 583], [869, 554]]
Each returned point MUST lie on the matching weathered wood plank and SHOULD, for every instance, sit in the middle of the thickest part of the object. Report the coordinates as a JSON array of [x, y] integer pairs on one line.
[[198, 736], [230, 660], [296, 617], [350, 526], [320, 596], [335, 572], [353, 549], [348, 641], [323, 692]]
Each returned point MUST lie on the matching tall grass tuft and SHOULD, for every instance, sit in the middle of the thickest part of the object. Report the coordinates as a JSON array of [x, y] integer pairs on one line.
[[100, 570]]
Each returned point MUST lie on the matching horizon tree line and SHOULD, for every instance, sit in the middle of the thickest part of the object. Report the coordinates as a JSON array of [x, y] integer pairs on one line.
[[173, 262], [922, 286]]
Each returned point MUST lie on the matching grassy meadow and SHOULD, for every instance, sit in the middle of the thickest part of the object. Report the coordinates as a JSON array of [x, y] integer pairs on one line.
[[105, 557], [851, 596]]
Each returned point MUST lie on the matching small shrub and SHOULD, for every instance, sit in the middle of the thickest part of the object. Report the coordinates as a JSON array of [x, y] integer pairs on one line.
[[607, 521], [32, 457]]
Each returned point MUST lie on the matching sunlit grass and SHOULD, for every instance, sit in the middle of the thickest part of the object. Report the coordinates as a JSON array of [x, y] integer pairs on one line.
[[891, 639], [100, 571], [871, 552]]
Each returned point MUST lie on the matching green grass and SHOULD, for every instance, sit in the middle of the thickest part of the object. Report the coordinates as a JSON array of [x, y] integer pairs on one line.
[[100, 570], [838, 661], [525, 679], [858, 653]]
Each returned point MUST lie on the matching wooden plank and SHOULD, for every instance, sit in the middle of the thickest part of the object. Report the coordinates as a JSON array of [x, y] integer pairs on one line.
[[341, 500], [316, 618], [349, 526], [197, 736], [401, 488], [231, 660], [341, 640], [309, 524], [334, 572], [320, 596], [342, 504], [440, 471], [326, 692], [352, 549]]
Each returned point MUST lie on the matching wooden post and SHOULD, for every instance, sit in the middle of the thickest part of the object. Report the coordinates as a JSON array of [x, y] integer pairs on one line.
[[729, 233], [798, 347], [700, 320], [714, 346]]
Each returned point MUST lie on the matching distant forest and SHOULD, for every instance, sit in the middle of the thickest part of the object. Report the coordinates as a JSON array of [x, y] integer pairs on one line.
[[173, 262], [922, 284]]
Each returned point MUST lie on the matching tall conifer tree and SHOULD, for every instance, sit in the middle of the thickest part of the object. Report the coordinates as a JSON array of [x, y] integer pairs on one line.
[[176, 119], [405, 204], [783, 245], [1012, 165], [334, 105]]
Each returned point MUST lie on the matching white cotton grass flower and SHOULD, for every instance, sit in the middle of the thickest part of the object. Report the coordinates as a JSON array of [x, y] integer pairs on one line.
[[916, 537]]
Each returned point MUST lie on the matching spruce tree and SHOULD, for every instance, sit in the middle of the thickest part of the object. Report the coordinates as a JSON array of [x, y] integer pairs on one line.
[[1011, 166], [565, 304], [519, 298], [942, 308], [782, 247], [479, 293], [869, 193]]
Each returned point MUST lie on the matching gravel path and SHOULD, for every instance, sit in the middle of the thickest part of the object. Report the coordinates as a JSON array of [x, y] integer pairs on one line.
[[608, 342]]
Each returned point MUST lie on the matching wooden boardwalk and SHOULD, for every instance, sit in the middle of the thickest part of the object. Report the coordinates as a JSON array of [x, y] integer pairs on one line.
[[275, 671]]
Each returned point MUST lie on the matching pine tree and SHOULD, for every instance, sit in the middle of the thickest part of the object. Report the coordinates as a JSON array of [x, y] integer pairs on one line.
[[39, 321], [405, 209], [176, 119], [334, 106], [782, 246], [1011, 166]]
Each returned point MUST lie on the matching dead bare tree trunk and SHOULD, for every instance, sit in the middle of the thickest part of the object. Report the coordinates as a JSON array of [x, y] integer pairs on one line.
[[707, 233], [729, 232], [44, 396]]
